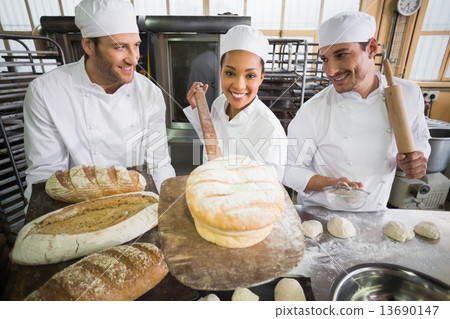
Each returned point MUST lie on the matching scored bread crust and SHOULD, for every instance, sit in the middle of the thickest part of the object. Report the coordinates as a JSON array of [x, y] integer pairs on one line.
[[81, 183], [234, 196], [119, 273], [34, 248]]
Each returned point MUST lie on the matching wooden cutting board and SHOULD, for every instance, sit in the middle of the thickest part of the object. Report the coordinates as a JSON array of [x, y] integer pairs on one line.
[[202, 265]]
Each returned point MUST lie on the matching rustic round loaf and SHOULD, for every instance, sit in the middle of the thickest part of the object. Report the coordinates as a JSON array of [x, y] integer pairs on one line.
[[234, 201]]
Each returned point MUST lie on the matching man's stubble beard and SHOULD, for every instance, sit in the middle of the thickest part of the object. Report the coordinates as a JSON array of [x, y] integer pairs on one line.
[[106, 68]]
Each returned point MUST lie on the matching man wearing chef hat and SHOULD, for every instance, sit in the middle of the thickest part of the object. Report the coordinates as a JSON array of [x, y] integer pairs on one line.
[[343, 133], [97, 111]]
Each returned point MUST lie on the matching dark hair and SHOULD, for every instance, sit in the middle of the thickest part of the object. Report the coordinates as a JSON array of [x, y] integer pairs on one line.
[[223, 58], [95, 41], [363, 45]]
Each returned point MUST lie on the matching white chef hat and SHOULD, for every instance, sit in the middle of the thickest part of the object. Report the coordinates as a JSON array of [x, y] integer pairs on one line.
[[244, 37], [99, 18], [347, 27]]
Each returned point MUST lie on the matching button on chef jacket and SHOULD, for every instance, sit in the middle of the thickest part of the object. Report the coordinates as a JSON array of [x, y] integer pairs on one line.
[[343, 135], [71, 121], [254, 132]]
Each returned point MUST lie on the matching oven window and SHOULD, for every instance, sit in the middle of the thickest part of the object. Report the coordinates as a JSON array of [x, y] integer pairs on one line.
[[192, 61]]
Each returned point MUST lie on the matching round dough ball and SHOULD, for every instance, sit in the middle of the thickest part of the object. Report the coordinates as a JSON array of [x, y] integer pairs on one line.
[[428, 230], [398, 231], [341, 227], [288, 289], [244, 294], [210, 297], [312, 228]]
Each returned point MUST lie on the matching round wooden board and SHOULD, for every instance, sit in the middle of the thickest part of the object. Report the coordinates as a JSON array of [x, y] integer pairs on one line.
[[202, 265]]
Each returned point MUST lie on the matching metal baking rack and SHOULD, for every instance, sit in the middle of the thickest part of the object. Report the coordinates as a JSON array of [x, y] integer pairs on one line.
[[22, 59], [290, 77]]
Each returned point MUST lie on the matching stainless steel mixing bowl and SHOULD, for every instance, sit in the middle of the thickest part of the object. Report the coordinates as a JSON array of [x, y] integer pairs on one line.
[[387, 282], [440, 150]]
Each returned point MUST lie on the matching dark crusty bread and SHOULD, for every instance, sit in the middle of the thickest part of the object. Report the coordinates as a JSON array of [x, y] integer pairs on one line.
[[119, 273], [82, 183]]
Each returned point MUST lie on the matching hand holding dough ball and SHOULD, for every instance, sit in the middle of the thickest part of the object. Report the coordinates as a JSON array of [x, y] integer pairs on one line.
[[288, 289], [312, 228], [341, 227], [428, 230], [398, 231], [244, 294], [210, 297]]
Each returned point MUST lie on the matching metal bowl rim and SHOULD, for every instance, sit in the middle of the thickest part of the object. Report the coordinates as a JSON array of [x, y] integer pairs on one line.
[[343, 276]]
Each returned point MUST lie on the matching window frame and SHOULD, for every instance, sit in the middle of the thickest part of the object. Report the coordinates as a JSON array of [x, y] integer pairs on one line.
[[418, 23]]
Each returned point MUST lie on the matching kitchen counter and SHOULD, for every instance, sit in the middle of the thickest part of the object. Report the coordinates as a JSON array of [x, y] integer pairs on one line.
[[326, 257]]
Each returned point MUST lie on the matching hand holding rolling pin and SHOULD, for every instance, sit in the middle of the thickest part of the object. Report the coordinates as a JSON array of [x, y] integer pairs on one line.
[[413, 163], [191, 94]]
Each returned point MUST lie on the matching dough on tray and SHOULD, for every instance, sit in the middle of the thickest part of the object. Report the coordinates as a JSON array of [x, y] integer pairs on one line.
[[244, 294], [428, 230], [289, 289], [210, 297], [341, 227], [312, 228], [398, 231]]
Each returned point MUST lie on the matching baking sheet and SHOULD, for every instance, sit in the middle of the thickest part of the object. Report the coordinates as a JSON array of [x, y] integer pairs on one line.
[[327, 256]]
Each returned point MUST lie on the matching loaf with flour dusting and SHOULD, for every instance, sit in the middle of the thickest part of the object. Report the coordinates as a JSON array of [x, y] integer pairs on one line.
[[120, 273], [234, 201], [82, 183], [85, 228]]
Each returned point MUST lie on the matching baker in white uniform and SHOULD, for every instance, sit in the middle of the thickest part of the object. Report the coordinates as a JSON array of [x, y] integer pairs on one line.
[[244, 125], [97, 111], [343, 133]]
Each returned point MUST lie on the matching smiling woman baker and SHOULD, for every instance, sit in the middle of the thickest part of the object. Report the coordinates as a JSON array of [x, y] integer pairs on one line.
[[97, 111], [244, 125]]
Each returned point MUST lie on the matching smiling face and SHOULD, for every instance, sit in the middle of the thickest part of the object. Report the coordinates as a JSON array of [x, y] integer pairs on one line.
[[241, 75], [112, 61], [350, 68]]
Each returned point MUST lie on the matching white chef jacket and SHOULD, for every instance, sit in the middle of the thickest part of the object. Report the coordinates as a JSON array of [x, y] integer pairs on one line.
[[344, 135], [254, 132], [71, 121]]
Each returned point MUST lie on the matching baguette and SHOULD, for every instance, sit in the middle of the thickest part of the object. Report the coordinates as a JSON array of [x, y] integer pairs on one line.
[[120, 273], [84, 228], [82, 183]]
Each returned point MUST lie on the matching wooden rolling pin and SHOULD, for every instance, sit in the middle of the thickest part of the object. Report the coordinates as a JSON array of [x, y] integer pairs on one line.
[[397, 112], [209, 133]]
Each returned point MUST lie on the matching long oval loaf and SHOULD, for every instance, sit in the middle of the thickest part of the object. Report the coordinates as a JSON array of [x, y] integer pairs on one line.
[[82, 183], [119, 273], [84, 228]]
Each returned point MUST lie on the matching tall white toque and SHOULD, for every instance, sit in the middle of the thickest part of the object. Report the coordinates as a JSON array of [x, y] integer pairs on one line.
[[244, 37], [347, 27], [99, 18]]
